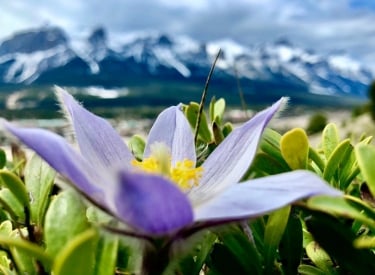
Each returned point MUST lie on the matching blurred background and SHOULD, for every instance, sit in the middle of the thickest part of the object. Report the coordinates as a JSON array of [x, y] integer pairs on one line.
[[127, 59]]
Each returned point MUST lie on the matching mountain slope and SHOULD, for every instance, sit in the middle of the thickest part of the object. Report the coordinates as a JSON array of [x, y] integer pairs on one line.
[[49, 56]]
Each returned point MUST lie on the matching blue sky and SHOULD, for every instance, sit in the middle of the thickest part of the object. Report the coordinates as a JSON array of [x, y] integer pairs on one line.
[[321, 25]]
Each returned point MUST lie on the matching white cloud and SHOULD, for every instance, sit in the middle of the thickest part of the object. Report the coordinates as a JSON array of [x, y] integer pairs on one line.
[[317, 24]]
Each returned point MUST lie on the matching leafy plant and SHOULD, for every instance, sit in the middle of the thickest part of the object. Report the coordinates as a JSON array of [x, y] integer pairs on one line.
[[45, 229]]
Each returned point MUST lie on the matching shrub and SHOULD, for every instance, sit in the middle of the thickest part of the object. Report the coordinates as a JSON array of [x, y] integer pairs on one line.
[[317, 122], [371, 94]]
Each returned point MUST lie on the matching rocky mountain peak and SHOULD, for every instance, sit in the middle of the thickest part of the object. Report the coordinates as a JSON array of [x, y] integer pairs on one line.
[[164, 40], [34, 40], [98, 37], [105, 60]]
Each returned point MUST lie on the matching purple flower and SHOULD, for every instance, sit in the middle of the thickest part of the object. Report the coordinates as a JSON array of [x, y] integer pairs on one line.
[[166, 192]]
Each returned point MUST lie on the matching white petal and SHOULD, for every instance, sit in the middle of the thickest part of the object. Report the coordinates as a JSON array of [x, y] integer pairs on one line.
[[172, 129], [98, 141], [230, 160], [260, 196]]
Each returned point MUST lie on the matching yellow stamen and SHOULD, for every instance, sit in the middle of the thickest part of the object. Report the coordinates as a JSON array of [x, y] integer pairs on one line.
[[183, 173]]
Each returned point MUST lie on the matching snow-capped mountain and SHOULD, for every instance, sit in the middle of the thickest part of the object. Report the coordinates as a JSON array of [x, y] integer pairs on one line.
[[49, 56]]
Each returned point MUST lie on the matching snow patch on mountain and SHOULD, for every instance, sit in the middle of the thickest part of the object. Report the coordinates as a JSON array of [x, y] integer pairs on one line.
[[168, 59], [27, 56], [28, 66], [348, 67]]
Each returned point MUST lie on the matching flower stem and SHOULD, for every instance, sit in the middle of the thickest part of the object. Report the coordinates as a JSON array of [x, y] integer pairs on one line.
[[156, 257]]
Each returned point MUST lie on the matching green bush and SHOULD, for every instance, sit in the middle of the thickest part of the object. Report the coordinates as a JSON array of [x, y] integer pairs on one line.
[[317, 122], [371, 94], [362, 109]]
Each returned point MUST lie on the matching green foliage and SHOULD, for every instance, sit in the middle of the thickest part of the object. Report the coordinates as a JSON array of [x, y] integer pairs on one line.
[[273, 233], [58, 234], [316, 123], [344, 165], [3, 158], [328, 231], [361, 109], [291, 245], [39, 179], [365, 155], [234, 253], [137, 146], [371, 94], [106, 254], [78, 256], [294, 146], [211, 129], [47, 230]]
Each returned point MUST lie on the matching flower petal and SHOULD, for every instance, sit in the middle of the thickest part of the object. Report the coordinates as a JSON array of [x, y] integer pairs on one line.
[[260, 196], [61, 156], [97, 140], [151, 204], [172, 128], [230, 160]]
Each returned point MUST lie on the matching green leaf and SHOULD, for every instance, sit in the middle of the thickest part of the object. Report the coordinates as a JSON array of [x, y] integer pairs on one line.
[[16, 186], [345, 207], [349, 171], [270, 144], [106, 255], [330, 139], [202, 252], [267, 164], [24, 261], [290, 248], [137, 146], [257, 227], [227, 129], [78, 256], [315, 157], [97, 216], [189, 255], [18, 159], [39, 179], [65, 218], [236, 255], [320, 258], [191, 113], [336, 239], [364, 242], [367, 140], [218, 111], [294, 146], [27, 248], [3, 158], [211, 108], [217, 133], [366, 157], [222, 261], [337, 157], [275, 227], [310, 270], [6, 228], [11, 205]]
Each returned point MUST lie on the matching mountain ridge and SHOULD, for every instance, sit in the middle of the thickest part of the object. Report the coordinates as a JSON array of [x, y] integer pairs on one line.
[[48, 55]]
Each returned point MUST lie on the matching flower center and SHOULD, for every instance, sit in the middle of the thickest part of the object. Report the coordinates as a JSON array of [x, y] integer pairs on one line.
[[183, 173]]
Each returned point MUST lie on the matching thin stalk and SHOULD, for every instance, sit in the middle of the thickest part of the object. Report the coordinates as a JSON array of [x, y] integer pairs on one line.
[[204, 94]]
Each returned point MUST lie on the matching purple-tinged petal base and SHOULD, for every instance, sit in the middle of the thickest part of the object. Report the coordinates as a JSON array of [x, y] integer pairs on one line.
[[151, 204], [260, 196]]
